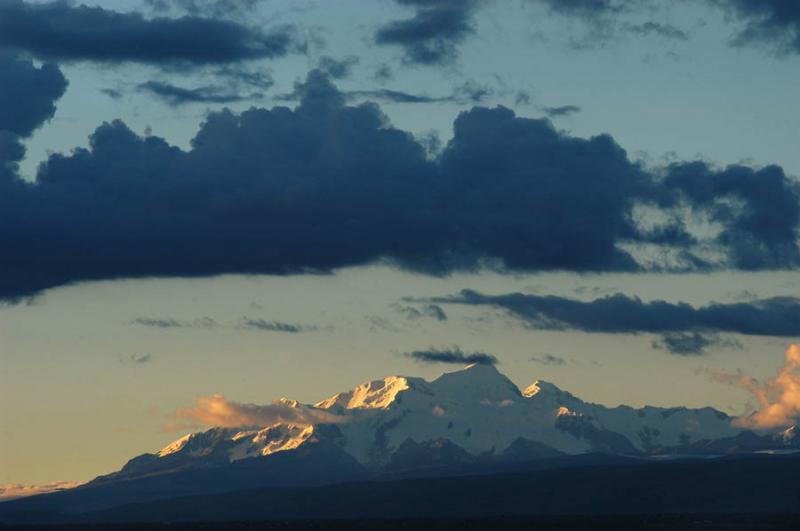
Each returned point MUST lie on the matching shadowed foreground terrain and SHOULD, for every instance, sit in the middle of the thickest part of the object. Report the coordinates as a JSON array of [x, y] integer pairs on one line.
[[728, 522], [765, 487]]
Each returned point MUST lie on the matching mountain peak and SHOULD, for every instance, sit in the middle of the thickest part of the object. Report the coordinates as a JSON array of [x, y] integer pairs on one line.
[[541, 387], [478, 380], [375, 394]]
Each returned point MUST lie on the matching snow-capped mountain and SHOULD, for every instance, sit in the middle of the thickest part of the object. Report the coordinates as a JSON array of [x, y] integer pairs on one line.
[[472, 413]]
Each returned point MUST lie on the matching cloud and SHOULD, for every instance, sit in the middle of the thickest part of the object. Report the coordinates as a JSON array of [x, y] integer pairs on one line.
[[274, 326], [216, 410], [667, 31], [140, 359], [433, 311], [451, 355], [586, 8], [27, 94], [206, 8], [778, 398], [176, 96], [465, 93], [432, 35], [564, 110], [203, 322], [758, 210], [328, 185], [549, 359], [692, 343], [10, 491], [778, 316], [337, 68], [246, 323], [772, 22], [60, 31]]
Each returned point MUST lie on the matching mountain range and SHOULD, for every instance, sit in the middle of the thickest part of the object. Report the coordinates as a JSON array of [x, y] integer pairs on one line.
[[471, 423]]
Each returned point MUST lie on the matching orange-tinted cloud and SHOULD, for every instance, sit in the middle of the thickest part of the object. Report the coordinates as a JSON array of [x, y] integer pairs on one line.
[[216, 410], [778, 398], [9, 491]]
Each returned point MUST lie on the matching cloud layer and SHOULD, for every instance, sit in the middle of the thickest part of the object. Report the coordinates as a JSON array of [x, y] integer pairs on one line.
[[328, 185], [60, 31], [778, 316]]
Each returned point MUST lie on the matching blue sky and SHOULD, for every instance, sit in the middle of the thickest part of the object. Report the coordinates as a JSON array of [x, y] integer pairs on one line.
[[350, 220]]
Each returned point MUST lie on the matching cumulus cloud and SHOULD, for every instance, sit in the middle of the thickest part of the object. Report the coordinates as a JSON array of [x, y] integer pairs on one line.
[[328, 185], [216, 410], [27, 94], [778, 316], [778, 397], [10, 491], [451, 355], [61, 31], [432, 35]]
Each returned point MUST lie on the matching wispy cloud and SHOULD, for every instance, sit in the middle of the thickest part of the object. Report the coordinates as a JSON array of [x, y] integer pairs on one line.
[[549, 359], [216, 410], [139, 359], [563, 110], [692, 343], [275, 326], [431, 311], [452, 355], [245, 323]]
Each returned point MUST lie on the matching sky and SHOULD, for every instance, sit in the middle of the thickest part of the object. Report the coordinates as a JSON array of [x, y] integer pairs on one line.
[[267, 198]]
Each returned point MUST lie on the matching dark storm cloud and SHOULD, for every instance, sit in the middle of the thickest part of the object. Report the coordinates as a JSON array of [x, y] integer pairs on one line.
[[692, 343], [451, 355], [27, 100], [432, 35], [327, 185], [27, 94], [176, 96], [759, 210], [64, 32], [563, 110], [772, 22], [778, 316]]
